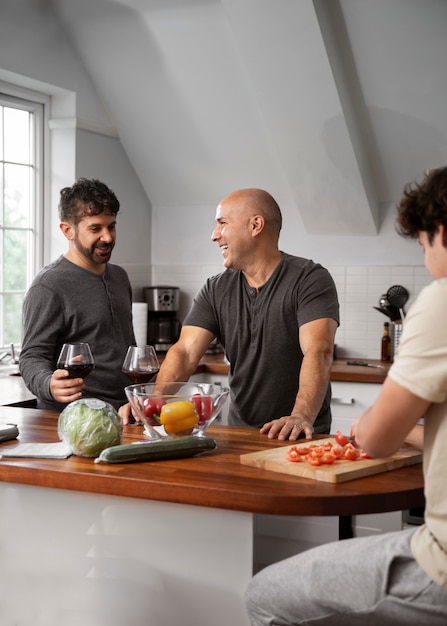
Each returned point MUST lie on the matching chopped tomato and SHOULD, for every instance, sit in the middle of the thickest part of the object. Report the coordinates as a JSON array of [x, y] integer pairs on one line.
[[303, 450], [328, 458], [317, 451], [325, 453], [351, 454], [338, 452], [340, 438], [294, 455], [313, 460]]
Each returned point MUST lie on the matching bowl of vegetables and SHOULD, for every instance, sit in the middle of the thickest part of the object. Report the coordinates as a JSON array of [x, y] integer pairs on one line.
[[176, 409]]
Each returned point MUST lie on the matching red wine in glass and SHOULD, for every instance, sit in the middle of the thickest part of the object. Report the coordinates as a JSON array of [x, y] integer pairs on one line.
[[141, 364], [141, 376], [77, 359], [78, 370]]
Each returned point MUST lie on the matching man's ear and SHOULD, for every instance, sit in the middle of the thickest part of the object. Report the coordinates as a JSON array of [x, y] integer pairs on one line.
[[67, 230], [257, 224]]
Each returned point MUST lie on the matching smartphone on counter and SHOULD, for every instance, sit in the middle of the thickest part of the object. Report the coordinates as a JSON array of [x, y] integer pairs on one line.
[[8, 432]]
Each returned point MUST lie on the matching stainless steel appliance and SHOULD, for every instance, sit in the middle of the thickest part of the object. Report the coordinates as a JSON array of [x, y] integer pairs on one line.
[[163, 326]]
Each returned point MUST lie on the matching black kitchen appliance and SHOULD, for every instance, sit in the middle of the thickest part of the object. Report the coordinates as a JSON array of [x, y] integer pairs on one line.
[[163, 326]]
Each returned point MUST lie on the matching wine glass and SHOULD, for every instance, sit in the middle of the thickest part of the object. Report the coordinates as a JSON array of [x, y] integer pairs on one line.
[[141, 364], [77, 359]]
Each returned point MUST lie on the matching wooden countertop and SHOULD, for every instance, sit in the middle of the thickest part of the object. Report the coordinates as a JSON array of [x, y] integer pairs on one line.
[[341, 371], [214, 479]]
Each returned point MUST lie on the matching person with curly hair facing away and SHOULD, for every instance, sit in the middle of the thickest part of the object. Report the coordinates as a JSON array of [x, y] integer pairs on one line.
[[399, 577]]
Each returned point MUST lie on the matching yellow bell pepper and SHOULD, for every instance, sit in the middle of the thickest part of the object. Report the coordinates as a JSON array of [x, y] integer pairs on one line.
[[178, 417]]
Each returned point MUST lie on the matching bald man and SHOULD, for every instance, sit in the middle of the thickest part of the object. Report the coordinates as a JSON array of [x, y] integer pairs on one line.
[[275, 315]]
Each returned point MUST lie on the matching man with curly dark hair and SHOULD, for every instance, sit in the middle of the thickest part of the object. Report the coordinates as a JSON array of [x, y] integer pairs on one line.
[[399, 577], [423, 206], [80, 297]]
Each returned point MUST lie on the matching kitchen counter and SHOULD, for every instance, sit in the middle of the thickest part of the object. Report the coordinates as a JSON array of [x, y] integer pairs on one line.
[[168, 542], [13, 391], [341, 371], [214, 479]]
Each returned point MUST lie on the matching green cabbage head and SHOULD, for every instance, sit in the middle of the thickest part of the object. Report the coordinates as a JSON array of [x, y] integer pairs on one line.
[[89, 425]]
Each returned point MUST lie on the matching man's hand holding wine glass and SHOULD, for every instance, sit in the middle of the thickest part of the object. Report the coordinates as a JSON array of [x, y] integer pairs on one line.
[[75, 362]]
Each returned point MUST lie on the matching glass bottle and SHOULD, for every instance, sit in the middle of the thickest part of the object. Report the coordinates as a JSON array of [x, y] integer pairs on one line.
[[386, 343]]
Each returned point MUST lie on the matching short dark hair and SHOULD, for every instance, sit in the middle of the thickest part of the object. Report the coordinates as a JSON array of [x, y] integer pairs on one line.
[[86, 197], [423, 206]]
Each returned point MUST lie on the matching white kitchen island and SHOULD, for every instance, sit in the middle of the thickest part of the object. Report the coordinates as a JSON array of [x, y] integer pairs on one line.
[[156, 544], [70, 558]]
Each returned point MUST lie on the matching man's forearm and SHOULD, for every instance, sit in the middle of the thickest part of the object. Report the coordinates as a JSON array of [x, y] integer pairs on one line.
[[314, 380], [176, 366]]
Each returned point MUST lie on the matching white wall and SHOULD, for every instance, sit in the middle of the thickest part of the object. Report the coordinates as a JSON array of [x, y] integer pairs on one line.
[[35, 53], [189, 234], [104, 158]]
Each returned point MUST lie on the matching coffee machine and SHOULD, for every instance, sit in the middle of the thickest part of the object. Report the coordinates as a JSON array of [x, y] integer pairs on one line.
[[163, 328]]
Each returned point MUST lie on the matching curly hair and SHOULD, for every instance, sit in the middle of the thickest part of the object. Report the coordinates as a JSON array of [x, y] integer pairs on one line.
[[423, 206], [86, 197]]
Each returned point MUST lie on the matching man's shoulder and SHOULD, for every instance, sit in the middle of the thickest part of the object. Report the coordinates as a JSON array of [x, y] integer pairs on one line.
[[50, 281], [290, 260], [50, 270], [116, 273], [218, 281], [116, 269], [227, 275]]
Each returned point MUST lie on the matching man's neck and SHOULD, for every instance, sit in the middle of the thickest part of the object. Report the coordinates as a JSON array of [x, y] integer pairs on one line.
[[258, 274], [81, 261]]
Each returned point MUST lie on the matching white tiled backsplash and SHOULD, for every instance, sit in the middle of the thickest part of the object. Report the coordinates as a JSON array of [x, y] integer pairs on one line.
[[359, 290]]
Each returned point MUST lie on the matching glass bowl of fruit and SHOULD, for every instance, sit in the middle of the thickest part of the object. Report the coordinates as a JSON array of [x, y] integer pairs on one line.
[[176, 409]]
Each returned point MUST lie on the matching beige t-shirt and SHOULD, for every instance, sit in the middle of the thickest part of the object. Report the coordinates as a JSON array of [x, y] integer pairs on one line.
[[421, 367]]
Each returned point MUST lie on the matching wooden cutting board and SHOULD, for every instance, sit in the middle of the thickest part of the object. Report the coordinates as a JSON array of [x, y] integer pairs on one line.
[[340, 471]]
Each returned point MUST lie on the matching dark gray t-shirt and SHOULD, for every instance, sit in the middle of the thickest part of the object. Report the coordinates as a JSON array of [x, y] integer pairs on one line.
[[259, 333], [68, 304]]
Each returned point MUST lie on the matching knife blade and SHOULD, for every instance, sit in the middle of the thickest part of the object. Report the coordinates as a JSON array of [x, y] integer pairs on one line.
[[365, 364], [353, 442]]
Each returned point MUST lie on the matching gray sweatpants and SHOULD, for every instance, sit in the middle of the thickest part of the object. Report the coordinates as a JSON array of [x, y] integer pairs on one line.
[[371, 581]]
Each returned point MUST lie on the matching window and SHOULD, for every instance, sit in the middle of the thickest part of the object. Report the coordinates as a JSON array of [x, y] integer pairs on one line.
[[21, 176]]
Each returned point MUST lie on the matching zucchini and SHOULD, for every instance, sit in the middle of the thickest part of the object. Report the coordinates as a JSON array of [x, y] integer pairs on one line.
[[158, 450]]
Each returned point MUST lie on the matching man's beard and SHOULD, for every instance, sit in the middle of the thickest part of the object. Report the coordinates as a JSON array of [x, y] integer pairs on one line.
[[92, 253]]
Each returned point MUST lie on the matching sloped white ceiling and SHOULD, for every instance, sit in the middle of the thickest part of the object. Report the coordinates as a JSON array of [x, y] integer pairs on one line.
[[331, 105]]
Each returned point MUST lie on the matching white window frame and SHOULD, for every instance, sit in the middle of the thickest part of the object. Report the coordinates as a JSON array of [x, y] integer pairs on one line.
[[38, 104]]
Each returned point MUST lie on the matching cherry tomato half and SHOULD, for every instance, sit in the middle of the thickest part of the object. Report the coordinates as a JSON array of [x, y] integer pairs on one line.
[[328, 458], [303, 450], [317, 451], [340, 438], [293, 455], [338, 452], [351, 454], [313, 460]]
